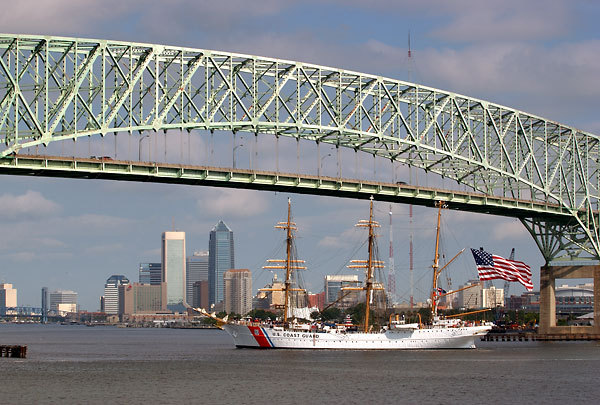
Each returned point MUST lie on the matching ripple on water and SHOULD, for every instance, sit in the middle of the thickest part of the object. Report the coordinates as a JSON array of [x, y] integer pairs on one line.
[[76, 364]]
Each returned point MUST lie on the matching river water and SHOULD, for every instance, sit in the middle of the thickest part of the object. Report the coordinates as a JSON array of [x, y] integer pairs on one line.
[[99, 365]]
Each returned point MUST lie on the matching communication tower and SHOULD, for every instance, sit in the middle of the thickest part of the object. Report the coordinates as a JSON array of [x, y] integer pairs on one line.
[[391, 271]]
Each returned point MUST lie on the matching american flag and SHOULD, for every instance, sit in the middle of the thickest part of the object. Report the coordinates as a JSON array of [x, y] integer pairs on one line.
[[491, 267]]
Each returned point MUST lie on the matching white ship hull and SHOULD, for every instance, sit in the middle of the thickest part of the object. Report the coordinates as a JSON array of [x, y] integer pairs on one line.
[[268, 337]]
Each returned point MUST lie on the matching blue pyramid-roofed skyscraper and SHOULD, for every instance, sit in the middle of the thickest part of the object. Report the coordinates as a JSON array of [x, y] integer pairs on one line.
[[221, 259]]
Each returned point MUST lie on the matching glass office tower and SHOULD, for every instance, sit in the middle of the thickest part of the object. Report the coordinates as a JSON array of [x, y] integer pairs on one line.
[[221, 259], [173, 268]]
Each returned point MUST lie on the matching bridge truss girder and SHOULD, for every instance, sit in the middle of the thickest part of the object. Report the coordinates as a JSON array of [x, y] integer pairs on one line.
[[53, 89]]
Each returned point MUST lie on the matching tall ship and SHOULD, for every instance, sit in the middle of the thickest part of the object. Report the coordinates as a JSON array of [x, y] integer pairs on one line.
[[293, 333]]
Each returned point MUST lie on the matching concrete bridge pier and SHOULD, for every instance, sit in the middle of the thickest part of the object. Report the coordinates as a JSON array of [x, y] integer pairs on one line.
[[548, 276]]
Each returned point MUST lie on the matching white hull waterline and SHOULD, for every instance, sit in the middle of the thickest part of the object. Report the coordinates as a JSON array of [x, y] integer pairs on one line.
[[273, 337]]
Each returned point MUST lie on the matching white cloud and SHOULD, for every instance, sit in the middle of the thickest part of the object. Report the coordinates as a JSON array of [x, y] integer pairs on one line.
[[57, 16], [497, 228], [514, 67], [30, 204], [94, 222], [50, 242], [331, 241], [21, 256], [147, 19], [104, 249], [31, 256], [477, 21], [509, 230], [345, 239], [233, 203], [153, 253], [52, 234]]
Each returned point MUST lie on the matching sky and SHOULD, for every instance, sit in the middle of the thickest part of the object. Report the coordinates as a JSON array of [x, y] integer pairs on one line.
[[536, 56]]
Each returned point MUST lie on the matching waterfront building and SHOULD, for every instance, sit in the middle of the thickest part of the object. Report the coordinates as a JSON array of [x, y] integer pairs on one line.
[[63, 301], [271, 299], [574, 299], [196, 269], [471, 297], [317, 300], [570, 300], [111, 293], [200, 293], [8, 297], [261, 301], [238, 291], [173, 269], [492, 297], [44, 304], [333, 290], [221, 259], [139, 298], [528, 301], [150, 273], [515, 302]]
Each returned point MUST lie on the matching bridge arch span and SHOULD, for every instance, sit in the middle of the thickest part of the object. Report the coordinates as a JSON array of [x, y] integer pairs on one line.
[[53, 89]]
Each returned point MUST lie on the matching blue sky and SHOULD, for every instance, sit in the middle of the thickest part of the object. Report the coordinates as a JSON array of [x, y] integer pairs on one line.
[[537, 56]]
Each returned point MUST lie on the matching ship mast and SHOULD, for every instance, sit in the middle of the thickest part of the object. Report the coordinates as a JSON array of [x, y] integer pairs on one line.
[[436, 261], [289, 264], [370, 264]]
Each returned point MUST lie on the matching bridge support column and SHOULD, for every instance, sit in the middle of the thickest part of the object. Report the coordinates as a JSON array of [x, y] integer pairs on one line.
[[547, 301], [548, 276]]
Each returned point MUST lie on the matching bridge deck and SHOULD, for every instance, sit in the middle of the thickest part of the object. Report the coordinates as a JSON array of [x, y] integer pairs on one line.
[[106, 168]]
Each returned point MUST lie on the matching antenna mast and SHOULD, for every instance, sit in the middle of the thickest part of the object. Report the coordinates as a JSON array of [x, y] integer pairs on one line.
[[410, 207], [392, 270], [410, 254]]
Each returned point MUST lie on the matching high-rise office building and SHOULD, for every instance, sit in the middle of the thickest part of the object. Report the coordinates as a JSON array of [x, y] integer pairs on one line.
[[8, 297], [333, 290], [63, 301], [221, 259], [201, 294], [238, 291], [196, 269], [44, 304], [111, 293], [173, 269], [150, 273]]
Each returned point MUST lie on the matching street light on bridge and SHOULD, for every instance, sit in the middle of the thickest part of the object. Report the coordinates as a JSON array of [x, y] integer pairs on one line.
[[239, 146], [140, 147], [321, 163]]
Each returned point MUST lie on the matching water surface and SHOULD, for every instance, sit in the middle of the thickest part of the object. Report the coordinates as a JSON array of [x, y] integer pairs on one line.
[[78, 364]]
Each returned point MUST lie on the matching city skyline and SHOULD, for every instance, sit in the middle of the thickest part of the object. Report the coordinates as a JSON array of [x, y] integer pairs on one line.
[[537, 57]]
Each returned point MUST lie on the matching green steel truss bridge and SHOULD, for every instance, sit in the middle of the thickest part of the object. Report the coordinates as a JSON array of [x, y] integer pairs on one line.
[[516, 164]]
